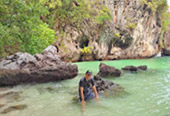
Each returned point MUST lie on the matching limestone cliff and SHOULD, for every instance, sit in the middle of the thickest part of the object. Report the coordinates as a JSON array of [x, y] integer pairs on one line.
[[166, 44], [133, 32]]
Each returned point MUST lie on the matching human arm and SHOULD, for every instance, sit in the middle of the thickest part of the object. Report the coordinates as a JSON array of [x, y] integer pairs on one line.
[[94, 89], [81, 94], [95, 92]]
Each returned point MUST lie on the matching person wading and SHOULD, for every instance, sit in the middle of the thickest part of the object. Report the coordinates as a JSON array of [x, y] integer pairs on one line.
[[84, 88]]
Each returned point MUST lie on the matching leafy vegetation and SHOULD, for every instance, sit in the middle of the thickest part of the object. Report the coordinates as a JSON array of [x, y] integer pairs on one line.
[[21, 27], [30, 25], [117, 35], [86, 50], [74, 12], [131, 26]]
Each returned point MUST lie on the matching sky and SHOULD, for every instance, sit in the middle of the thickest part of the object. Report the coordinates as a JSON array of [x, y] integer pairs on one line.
[[169, 4]]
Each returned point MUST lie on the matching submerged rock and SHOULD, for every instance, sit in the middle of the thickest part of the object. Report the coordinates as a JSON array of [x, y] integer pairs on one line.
[[13, 108], [2, 105], [11, 96], [105, 71], [50, 89], [45, 67], [134, 68]]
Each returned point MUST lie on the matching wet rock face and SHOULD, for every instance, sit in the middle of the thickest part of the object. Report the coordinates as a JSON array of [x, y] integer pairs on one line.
[[45, 67], [134, 68], [104, 85], [105, 71]]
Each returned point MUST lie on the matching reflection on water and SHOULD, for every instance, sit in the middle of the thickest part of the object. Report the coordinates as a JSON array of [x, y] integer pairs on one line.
[[147, 94]]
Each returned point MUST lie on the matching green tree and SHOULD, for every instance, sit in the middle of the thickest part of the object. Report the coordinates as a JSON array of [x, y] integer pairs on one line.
[[21, 27], [74, 12]]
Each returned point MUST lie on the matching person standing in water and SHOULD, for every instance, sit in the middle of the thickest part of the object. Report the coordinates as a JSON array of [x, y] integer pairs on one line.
[[84, 88]]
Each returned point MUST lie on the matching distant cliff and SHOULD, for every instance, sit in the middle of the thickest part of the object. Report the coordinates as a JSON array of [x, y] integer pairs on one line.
[[132, 33]]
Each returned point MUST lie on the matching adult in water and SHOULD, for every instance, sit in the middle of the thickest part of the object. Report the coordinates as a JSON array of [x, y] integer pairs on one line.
[[84, 88]]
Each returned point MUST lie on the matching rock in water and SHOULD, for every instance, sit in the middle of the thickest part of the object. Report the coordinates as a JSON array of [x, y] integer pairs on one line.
[[45, 67], [142, 67], [134, 68], [104, 86], [130, 68], [105, 71]]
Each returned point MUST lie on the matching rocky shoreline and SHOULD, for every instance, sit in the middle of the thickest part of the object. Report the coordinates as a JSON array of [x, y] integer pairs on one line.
[[41, 68], [47, 66], [23, 68]]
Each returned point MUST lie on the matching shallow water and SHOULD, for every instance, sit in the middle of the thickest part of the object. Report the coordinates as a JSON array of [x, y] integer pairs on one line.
[[148, 93]]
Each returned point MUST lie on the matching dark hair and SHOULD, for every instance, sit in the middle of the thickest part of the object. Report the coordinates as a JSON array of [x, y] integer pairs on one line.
[[89, 72]]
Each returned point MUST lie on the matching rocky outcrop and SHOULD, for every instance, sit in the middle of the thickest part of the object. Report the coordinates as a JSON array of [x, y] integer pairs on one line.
[[166, 44], [103, 85], [142, 67], [108, 71], [68, 46], [134, 68], [137, 31], [132, 33], [45, 67]]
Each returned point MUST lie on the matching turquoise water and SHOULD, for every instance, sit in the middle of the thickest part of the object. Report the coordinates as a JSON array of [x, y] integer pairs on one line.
[[148, 93]]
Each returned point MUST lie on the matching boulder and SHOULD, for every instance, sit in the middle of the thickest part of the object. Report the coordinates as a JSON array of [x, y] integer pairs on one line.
[[105, 71], [41, 68], [104, 85], [134, 68], [130, 68], [142, 67]]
